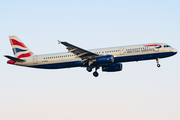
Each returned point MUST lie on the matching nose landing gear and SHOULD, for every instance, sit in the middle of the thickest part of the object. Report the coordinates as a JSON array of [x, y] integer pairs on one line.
[[158, 65], [157, 60]]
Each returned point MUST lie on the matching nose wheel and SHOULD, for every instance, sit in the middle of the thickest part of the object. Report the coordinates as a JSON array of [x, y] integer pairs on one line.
[[158, 65]]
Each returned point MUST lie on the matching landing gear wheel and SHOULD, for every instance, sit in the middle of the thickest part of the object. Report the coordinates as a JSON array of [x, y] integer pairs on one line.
[[158, 65], [89, 69], [157, 60], [95, 74]]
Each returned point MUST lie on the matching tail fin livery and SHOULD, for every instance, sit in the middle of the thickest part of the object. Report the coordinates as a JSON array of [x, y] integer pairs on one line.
[[18, 47]]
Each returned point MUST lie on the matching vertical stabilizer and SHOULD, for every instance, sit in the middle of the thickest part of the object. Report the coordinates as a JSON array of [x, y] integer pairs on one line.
[[20, 50]]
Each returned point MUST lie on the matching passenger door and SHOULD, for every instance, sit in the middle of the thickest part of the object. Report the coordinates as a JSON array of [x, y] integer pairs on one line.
[[35, 59], [122, 51]]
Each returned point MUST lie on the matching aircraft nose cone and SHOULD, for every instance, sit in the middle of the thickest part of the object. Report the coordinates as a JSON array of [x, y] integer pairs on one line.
[[175, 51]]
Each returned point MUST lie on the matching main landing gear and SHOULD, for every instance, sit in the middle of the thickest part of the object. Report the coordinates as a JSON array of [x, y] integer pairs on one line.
[[89, 69], [95, 73], [157, 60]]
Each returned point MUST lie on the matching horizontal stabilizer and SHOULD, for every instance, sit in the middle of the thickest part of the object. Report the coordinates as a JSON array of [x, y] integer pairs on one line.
[[14, 59]]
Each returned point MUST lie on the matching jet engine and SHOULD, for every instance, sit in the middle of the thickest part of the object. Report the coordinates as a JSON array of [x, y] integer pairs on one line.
[[112, 68]]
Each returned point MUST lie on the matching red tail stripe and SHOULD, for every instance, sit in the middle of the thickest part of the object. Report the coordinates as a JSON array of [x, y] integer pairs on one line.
[[11, 62], [151, 45], [15, 42], [25, 55]]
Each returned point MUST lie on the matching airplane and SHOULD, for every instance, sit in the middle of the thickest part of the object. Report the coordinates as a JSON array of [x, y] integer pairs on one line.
[[109, 59]]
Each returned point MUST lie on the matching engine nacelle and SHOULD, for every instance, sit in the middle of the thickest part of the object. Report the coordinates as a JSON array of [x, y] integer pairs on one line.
[[112, 68], [104, 60]]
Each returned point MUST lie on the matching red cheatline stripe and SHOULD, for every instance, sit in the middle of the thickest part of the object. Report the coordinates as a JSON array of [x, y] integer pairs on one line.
[[152, 45], [15, 42], [25, 55]]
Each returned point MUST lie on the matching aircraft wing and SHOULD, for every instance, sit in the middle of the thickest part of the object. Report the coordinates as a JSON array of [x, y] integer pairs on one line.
[[79, 52]]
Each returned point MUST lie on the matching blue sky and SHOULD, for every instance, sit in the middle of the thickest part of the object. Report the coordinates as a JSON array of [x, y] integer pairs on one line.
[[141, 91]]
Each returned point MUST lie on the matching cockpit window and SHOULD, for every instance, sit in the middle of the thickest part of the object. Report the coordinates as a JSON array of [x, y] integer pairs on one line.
[[167, 46]]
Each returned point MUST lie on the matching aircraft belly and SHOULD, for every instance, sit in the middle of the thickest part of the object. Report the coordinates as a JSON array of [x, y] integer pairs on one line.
[[59, 65], [140, 57]]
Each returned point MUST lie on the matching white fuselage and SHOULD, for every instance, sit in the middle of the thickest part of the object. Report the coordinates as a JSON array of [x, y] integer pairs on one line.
[[121, 54]]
